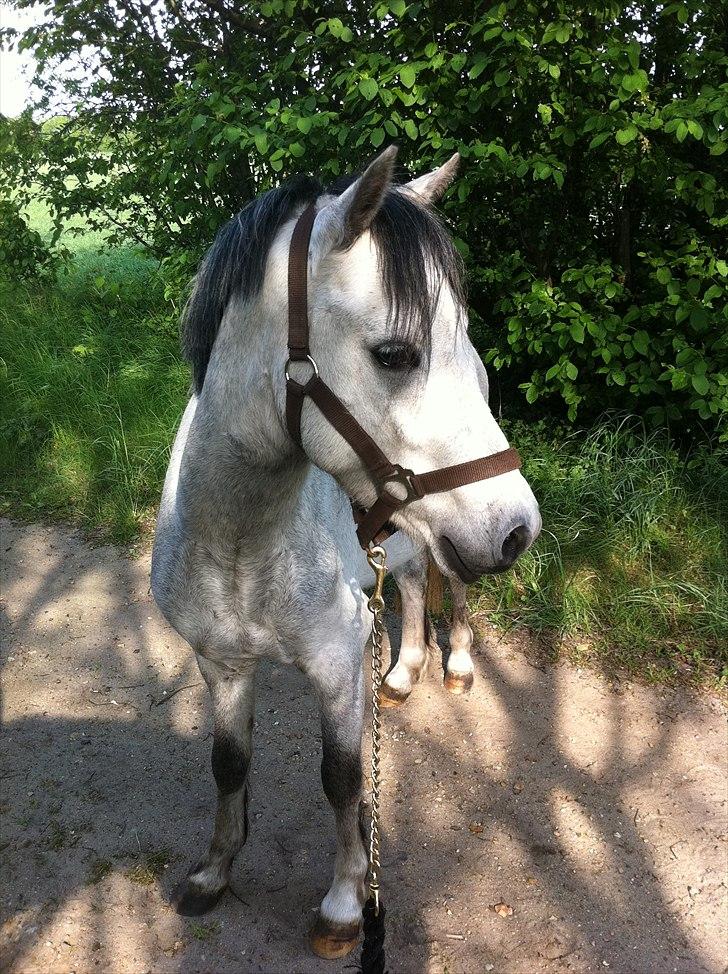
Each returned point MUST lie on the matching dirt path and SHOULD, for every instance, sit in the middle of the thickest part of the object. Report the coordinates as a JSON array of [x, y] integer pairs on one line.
[[599, 817]]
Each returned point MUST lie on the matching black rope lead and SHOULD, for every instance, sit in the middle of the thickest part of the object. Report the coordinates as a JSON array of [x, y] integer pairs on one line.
[[372, 951]]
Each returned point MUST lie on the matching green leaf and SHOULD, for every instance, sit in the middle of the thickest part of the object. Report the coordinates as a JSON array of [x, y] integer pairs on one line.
[[576, 330], [397, 7], [641, 341], [599, 139], [633, 53], [297, 150], [304, 125], [478, 68], [369, 88], [571, 371], [628, 134], [493, 149], [531, 393], [637, 81], [197, 122], [700, 384], [261, 143], [555, 71], [411, 129], [377, 137], [502, 78], [232, 133], [407, 75]]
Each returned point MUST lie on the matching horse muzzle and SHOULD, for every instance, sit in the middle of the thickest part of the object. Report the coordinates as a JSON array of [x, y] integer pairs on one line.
[[470, 561]]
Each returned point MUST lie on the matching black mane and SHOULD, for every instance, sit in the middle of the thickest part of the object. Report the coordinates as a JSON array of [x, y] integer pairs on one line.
[[408, 235]]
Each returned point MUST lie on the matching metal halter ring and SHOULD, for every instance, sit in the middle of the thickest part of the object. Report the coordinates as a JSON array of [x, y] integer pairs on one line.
[[308, 359], [402, 476]]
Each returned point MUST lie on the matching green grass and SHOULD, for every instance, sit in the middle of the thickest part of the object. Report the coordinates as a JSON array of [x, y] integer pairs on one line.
[[630, 571], [91, 388]]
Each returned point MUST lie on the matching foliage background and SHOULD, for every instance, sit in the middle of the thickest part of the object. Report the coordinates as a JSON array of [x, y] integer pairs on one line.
[[592, 204]]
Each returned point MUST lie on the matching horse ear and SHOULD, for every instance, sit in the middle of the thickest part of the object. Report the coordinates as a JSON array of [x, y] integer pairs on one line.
[[340, 222], [433, 185]]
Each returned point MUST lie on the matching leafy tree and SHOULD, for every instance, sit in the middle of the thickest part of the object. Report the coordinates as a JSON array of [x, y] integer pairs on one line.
[[592, 207]]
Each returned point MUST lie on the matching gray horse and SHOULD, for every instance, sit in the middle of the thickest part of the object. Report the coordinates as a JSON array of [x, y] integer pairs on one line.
[[255, 554]]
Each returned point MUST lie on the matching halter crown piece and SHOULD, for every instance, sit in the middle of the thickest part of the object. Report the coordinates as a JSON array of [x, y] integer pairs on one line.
[[372, 524]]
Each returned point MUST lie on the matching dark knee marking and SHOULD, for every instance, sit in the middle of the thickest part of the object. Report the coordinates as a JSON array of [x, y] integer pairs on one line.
[[363, 825], [229, 764], [340, 769]]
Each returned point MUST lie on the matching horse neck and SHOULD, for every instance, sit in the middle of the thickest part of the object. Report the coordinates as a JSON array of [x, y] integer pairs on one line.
[[245, 460]]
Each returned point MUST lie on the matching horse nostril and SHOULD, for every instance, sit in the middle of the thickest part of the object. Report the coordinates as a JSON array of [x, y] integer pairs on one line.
[[515, 544]]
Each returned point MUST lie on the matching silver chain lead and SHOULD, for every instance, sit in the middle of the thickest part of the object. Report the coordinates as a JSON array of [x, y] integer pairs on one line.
[[377, 557]]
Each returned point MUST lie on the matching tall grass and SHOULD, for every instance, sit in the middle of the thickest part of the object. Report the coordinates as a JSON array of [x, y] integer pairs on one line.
[[632, 566], [91, 387]]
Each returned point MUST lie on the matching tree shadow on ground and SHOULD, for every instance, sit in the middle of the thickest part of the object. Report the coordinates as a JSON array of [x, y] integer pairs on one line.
[[541, 789]]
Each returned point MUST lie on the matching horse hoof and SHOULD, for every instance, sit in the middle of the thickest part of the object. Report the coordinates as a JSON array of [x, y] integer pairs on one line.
[[458, 682], [389, 697], [332, 940], [190, 900]]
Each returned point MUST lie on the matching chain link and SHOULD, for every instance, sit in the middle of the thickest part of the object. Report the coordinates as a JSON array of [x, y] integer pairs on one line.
[[376, 556]]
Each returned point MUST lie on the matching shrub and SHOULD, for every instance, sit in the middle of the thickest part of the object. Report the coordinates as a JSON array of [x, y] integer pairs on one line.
[[23, 254], [592, 204]]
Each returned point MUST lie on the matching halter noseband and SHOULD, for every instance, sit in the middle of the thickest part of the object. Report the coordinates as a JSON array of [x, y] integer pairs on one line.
[[372, 524]]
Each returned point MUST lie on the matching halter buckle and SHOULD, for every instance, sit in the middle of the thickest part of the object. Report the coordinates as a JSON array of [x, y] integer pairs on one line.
[[403, 477]]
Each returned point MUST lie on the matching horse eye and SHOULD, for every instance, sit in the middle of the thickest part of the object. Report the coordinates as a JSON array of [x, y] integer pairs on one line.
[[397, 355]]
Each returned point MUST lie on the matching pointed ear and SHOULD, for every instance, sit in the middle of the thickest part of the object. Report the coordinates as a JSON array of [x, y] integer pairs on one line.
[[340, 222], [433, 185]]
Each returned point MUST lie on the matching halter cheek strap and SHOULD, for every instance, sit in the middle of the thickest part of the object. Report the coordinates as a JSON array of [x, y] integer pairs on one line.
[[396, 486]]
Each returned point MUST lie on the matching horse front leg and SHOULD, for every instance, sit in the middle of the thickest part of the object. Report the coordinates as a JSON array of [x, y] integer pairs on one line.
[[233, 704], [341, 703], [411, 665], [459, 671]]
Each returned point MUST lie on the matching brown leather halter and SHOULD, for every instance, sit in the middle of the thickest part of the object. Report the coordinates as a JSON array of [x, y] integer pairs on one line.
[[372, 524]]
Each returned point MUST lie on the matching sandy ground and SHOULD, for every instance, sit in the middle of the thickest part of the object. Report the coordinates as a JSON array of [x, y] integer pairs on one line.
[[598, 815]]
